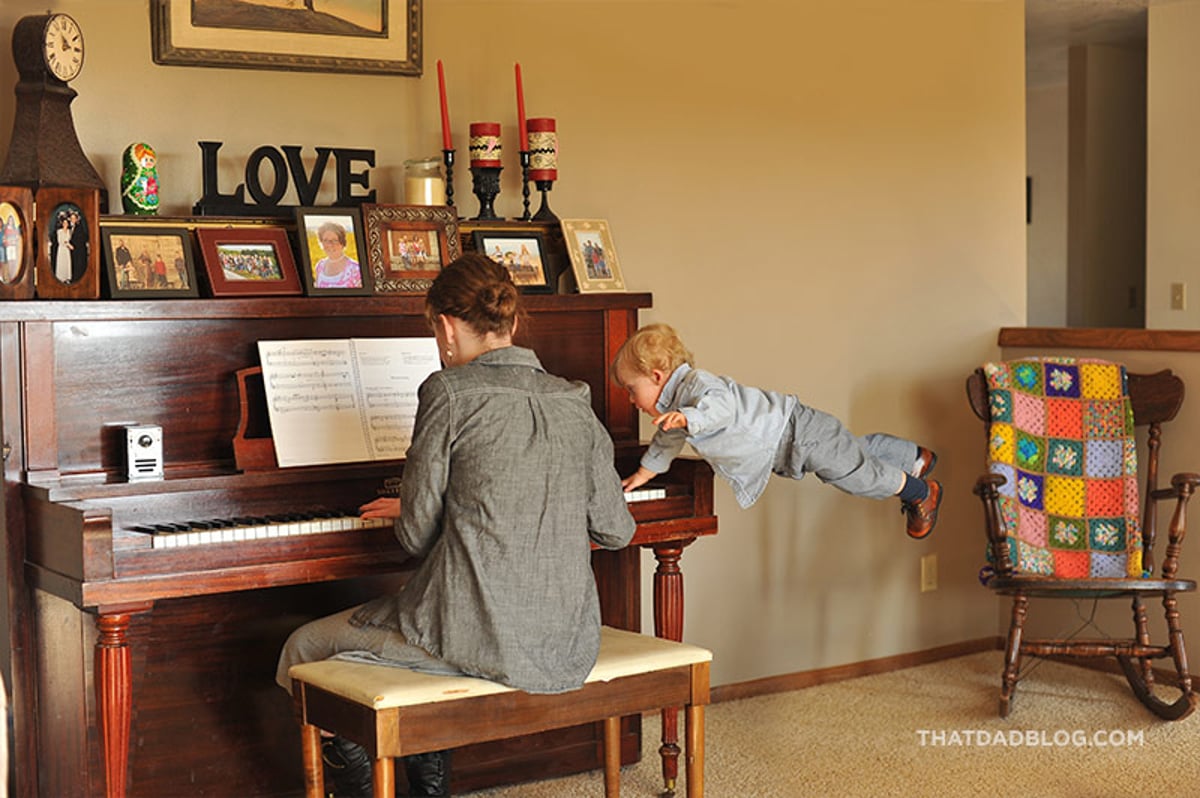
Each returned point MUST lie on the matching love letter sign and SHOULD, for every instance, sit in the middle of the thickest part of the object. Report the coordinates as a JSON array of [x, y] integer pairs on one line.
[[283, 166]]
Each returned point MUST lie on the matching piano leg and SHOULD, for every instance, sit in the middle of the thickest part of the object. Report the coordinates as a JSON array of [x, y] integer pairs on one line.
[[114, 698], [668, 624]]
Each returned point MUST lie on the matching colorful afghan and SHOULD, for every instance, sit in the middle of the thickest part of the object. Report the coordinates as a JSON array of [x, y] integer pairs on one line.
[[1062, 435]]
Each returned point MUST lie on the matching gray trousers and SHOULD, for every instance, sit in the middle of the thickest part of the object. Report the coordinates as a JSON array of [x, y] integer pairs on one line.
[[817, 443], [335, 637]]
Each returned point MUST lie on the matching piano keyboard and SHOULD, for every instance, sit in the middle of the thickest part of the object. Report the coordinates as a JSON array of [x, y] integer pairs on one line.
[[234, 530]]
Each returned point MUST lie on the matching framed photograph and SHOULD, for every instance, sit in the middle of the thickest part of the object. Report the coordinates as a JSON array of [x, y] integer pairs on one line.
[[522, 253], [248, 261], [331, 252], [144, 263], [593, 256], [364, 36], [407, 245], [16, 239], [68, 242]]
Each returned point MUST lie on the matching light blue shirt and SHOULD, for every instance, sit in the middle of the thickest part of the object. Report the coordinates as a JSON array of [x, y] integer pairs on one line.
[[735, 428]]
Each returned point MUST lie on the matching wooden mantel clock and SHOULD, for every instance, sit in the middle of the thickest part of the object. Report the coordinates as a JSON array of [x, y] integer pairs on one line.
[[44, 150], [44, 155]]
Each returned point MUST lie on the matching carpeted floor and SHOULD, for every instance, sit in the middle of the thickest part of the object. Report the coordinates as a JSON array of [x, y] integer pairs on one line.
[[927, 731]]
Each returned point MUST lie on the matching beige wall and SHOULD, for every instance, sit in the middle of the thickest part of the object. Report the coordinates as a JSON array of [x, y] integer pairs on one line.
[[825, 197], [1046, 233], [1173, 165]]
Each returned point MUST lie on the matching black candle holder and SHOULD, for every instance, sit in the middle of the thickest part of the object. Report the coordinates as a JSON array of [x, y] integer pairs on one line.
[[525, 158], [485, 182], [448, 160], [544, 213]]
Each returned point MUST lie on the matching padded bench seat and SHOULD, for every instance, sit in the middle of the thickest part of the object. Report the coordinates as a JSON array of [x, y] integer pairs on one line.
[[395, 712]]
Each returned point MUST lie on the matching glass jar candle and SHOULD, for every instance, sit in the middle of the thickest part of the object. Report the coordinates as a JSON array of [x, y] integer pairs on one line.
[[423, 182]]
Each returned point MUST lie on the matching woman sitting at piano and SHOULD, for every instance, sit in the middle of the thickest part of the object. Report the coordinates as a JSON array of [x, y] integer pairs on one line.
[[508, 482]]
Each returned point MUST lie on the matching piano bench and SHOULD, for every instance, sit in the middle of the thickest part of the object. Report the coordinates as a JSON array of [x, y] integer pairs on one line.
[[395, 712]]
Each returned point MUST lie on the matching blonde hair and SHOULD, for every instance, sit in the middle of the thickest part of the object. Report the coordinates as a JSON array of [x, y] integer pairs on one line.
[[655, 346]]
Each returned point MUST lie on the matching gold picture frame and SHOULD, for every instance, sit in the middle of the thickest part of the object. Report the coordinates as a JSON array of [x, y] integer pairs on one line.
[[593, 256], [407, 245], [208, 33]]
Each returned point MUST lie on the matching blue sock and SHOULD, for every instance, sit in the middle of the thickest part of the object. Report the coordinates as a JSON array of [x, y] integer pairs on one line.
[[914, 489]]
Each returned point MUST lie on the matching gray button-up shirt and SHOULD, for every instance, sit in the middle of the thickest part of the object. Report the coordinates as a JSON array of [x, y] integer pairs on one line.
[[509, 479]]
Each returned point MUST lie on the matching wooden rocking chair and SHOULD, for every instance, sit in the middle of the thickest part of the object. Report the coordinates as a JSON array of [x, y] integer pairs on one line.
[[1155, 399]]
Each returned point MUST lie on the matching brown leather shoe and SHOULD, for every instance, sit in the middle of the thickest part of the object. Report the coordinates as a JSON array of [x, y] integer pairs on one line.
[[926, 460], [923, 515]]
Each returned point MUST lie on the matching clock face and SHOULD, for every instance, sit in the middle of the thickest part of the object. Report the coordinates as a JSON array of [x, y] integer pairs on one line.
[[62, 47]]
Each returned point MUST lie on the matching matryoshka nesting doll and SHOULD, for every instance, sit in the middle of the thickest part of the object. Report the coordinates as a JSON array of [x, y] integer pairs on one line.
[[139, 180]]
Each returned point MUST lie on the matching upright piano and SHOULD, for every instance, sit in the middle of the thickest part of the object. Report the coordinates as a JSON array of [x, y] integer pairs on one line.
[[144, 618]]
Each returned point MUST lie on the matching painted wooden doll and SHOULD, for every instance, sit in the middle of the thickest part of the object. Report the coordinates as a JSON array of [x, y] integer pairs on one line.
[[139, 180]]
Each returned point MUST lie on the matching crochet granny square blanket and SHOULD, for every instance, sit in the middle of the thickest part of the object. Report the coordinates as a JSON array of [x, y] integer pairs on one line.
[[1061, 434]]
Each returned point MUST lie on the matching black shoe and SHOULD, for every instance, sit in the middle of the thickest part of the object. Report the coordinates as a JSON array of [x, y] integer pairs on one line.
[[348, 766], [428, 774]]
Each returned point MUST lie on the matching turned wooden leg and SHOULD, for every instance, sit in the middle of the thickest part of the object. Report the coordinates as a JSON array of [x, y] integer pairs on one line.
[[668, 624], [612, 757], [1178, 651], [314, 768], [114, 699], [694, 753], [1143, 638], [1012, 654], [383, 777]]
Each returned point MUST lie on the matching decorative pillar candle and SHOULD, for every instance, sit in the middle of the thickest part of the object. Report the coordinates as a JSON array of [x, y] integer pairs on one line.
[[485, 144], [543, 148]]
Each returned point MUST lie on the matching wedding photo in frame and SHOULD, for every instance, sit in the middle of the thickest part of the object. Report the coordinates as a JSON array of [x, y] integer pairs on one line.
[[68, 243], [593, 256], [17, 253], [522, 252], [330, 255], [148, 262], [407, 245], [248, 261], [379, 37]]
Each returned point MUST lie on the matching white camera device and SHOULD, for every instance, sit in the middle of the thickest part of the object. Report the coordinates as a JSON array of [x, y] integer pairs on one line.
[[143, 452]]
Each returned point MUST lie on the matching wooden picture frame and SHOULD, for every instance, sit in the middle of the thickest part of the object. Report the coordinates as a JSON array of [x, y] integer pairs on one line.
[[248, 261], [68, 243], [148, 263], [17, 249], [593, 256], [219, 33], [522, 252], [407, 245], [325, 235]]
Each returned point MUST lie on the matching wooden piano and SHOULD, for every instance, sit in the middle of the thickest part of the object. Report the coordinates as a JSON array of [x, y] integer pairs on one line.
[[146, 670]]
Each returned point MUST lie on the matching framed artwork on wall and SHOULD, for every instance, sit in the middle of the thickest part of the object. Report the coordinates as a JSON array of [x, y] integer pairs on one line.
[[523, 253], [16, 242], [248, 261], [407, 245], [364, 36], [593, 256], [330, 253], [145, 263], [68, 243]]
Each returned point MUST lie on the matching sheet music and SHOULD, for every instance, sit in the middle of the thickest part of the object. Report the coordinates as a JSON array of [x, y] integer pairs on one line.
[[344, 400]]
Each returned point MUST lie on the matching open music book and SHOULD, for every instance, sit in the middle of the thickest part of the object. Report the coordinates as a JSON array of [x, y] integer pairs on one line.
[[344, 400]]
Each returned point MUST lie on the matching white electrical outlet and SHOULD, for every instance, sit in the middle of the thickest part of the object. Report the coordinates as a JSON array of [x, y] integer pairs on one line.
[[1178, 296], [928, 573]]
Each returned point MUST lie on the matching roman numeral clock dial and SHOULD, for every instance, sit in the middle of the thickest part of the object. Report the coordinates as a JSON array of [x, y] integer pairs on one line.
[[63, 49]]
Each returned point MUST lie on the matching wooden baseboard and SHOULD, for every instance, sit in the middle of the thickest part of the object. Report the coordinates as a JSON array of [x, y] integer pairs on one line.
[[796, 681]]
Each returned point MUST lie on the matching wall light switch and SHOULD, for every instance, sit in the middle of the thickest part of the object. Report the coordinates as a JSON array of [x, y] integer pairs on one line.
[[1178, 296]]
